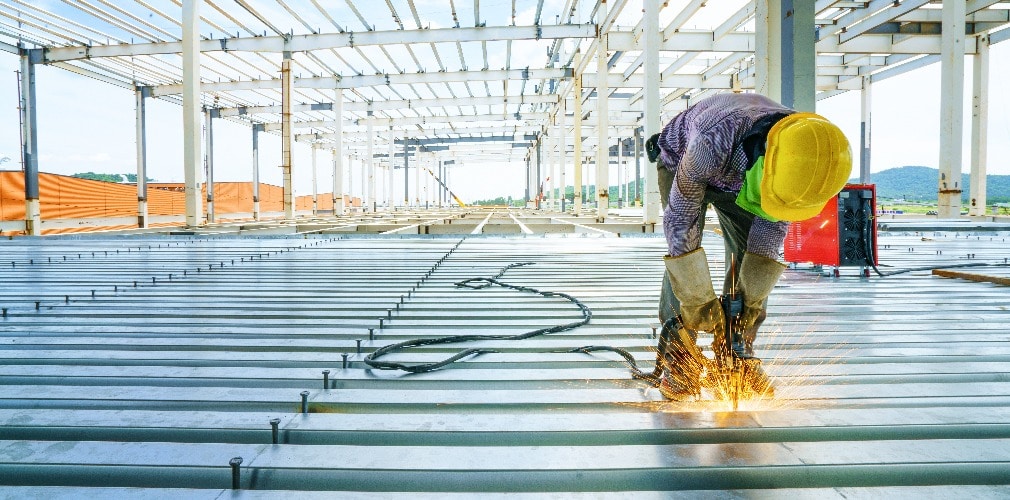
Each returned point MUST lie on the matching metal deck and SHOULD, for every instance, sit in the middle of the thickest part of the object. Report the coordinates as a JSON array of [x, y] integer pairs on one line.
[[151, 361]]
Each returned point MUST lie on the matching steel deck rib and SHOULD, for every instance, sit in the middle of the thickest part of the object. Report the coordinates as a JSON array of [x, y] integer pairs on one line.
[[890, 386]]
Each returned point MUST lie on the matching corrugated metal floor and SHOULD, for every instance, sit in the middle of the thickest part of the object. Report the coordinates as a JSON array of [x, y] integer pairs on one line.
[[150, 362]]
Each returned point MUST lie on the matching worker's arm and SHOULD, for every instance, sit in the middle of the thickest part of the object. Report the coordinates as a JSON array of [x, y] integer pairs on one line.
[[684, 213], [766, 237]]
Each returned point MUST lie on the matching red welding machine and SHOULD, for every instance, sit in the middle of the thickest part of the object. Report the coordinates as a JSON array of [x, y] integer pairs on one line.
[[843, 234]]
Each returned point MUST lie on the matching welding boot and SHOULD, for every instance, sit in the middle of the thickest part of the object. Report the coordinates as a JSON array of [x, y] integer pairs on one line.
[[758, 276], [682, 364]]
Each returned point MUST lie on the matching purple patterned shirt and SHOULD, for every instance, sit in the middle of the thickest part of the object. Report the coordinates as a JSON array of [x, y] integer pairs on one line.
[[701, 146]]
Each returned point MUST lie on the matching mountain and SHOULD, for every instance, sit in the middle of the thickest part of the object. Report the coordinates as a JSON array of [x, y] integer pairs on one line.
[[915, 183]]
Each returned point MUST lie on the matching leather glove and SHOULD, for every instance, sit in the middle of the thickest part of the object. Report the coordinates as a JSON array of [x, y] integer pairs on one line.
[[758, 276], [691, 282]]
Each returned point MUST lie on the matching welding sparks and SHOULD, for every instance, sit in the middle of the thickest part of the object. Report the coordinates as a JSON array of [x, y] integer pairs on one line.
[[794, 381]]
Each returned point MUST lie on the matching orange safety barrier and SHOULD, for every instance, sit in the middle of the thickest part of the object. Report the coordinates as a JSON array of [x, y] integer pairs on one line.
[[64, 197]]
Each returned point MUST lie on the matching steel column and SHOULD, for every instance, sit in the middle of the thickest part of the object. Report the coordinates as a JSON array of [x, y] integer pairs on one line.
[[208, 161], [338, 153], [370, 165], [256, 129], [951, 121], [638, 166], [602, 121], [979, 127], [539, 178], [554, 163], [577, 133], [29, 143], [315, 180], [191, 109], [562, 151], [389, 171], [799, 65], [651, 210], [406, 170], [141, 93], [621, 194], [865, 125], [287, 86], [768, 49]]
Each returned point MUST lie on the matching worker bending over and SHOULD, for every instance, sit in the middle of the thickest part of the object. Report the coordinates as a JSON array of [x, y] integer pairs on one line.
[[761, 165]]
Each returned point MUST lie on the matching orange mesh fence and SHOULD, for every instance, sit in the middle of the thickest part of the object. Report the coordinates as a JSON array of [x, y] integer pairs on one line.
[[63, 197]]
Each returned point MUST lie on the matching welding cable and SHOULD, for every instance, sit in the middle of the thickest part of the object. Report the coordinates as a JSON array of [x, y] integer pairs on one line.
[[636, 372], [669, 327], [475, 284], [868, 250]]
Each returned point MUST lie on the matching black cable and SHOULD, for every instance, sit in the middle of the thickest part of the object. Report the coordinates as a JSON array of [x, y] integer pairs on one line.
[[474, 284], [868, 249]]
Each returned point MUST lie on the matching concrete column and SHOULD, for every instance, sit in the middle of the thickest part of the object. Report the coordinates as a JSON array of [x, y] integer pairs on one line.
[[208, 162], [315, 180], [191, 109], [768, 48], [652, 125], [602, 122], [951, 95], [256, 129], [142, 93], [287, 134], [864, 131], [338, 153], [562, 151], [555, 153], [979, 126], [799, 65], [577, 132]]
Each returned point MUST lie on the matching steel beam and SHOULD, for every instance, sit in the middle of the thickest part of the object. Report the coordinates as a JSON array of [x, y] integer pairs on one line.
[[356, 81], [323, 41]]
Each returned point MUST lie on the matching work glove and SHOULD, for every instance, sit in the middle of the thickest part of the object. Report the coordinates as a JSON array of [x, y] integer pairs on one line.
[[758, 276], [691, 282]]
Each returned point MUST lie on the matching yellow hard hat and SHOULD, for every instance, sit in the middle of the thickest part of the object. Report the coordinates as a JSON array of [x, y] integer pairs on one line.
[[807, 163]]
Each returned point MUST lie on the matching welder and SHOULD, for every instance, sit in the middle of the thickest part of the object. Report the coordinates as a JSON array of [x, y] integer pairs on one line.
[[760, 165]]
